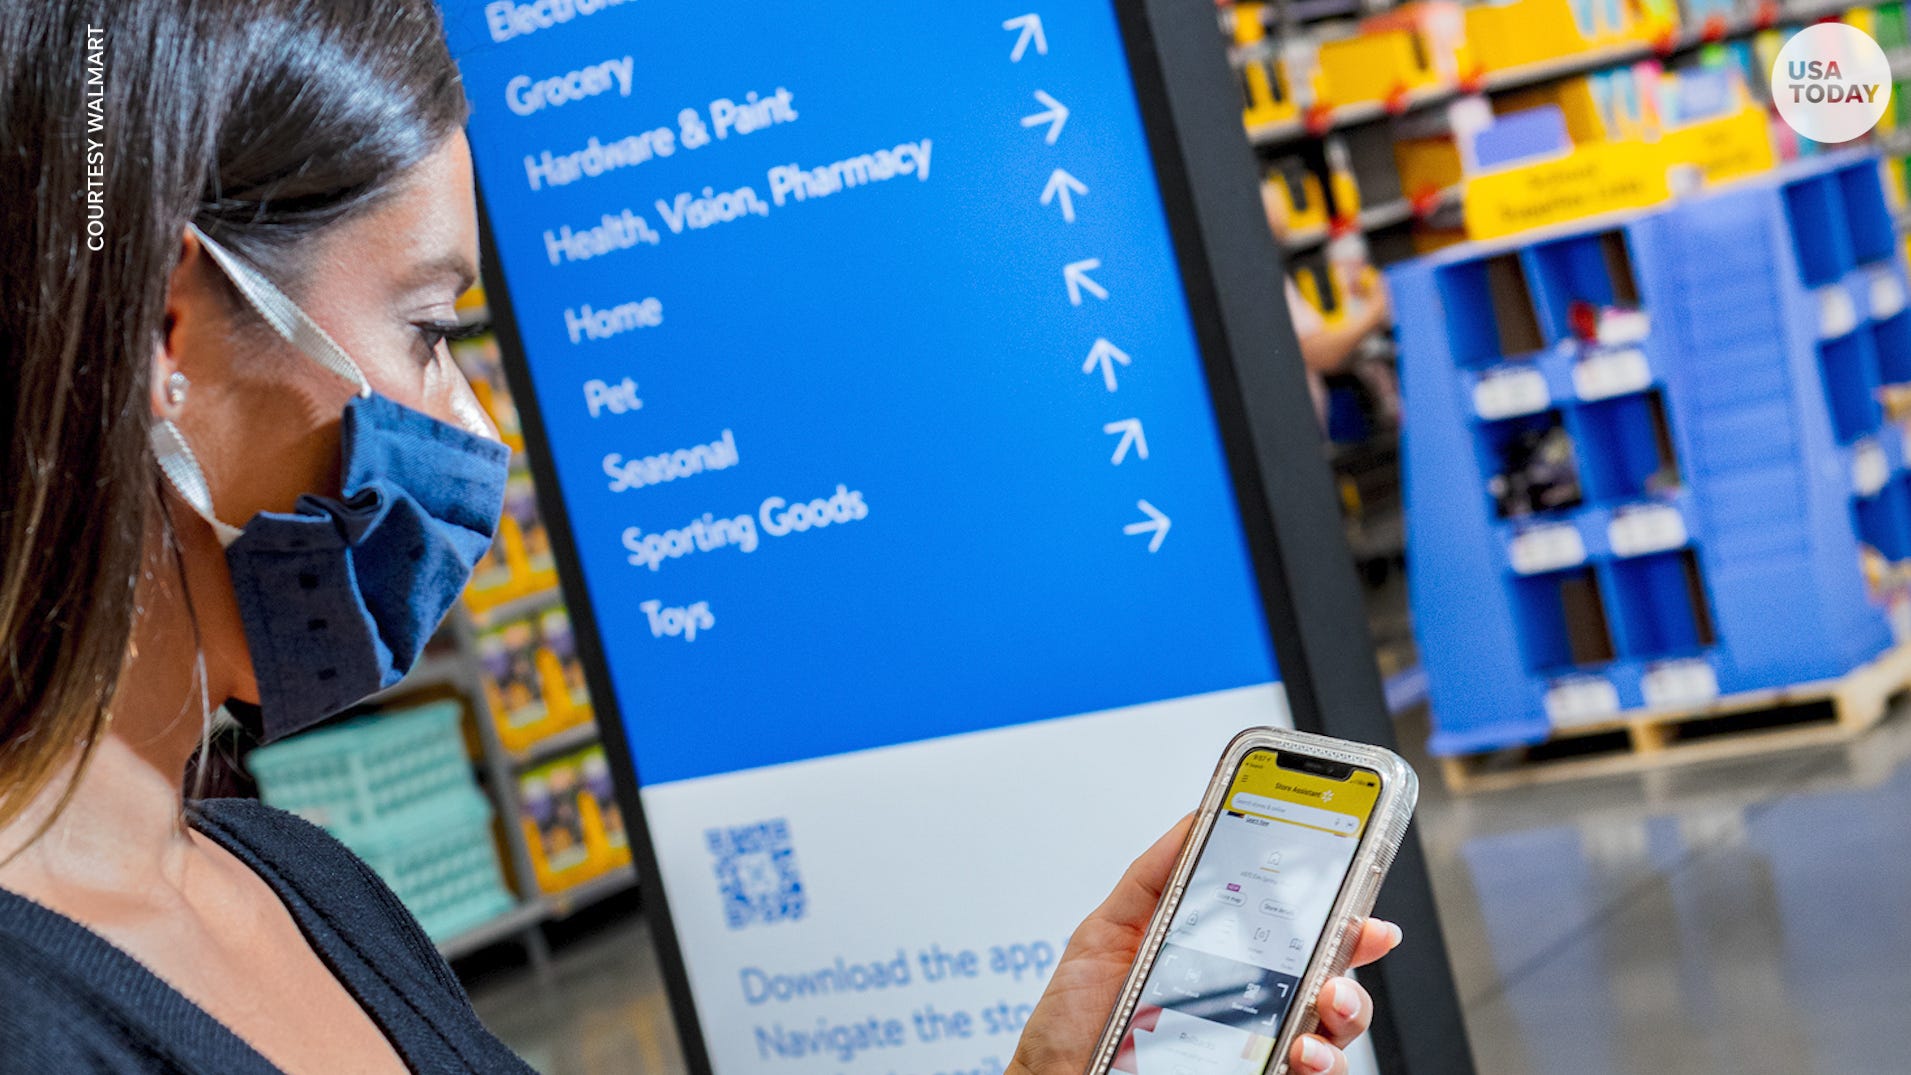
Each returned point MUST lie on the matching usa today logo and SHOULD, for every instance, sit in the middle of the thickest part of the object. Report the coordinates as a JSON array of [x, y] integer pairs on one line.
[[1831, 82]]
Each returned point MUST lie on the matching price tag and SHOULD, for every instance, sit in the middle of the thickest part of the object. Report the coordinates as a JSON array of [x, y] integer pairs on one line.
[[1509, 393], [1837, 314], [1604, 374], [1581, 700], [1679, 684], [1649, 528], [1869, 470], [1887, 294], [1623, 326], [1539, 549]]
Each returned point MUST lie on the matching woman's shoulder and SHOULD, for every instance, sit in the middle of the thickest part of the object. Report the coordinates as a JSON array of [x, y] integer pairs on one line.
[[261, 827], [300, 859], [305, 856]]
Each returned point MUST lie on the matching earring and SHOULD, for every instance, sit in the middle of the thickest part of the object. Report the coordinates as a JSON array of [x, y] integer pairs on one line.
[[176, 385]]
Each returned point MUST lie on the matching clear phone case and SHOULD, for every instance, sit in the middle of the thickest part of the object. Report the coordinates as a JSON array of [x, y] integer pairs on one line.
[[1393, 809]]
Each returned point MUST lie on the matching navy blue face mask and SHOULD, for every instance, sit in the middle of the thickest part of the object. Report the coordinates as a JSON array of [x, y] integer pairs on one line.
[[339, 595]]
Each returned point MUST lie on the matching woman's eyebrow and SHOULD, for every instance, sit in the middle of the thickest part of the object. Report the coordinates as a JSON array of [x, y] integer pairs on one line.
[[456, 266]]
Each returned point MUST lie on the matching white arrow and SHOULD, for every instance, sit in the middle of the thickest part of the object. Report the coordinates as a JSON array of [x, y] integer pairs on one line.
[[1056, 115], [1106, 355], [1031, 27], [1157, 523], [1076, 275], [1130, 430], [1059, 185]]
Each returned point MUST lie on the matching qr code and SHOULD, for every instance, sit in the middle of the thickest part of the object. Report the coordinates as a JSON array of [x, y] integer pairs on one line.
[[756, 873]]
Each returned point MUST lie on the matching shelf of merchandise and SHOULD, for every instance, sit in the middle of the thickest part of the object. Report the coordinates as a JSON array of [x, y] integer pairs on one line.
[[1729, 463], [456, 670], [576, 737], [518, 608], [1377, 218], [1513, 78]]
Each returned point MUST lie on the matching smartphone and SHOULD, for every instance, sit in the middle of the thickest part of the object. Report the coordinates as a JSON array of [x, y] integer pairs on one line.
[[1264, 906]]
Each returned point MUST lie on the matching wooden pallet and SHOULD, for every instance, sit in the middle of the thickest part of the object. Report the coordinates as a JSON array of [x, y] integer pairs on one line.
[[1754, 722]]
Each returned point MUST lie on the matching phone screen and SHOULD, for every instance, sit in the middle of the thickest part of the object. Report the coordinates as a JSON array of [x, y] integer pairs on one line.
[[1252, 914]]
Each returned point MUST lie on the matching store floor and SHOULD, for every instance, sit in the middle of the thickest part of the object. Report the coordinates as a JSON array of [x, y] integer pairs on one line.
[[1739, 917]]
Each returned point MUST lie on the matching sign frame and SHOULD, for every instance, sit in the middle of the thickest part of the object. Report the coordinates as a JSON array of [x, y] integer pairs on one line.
[[1232, 276]]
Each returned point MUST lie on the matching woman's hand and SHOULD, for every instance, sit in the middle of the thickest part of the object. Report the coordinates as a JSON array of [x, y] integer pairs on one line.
[[1068, 1021]]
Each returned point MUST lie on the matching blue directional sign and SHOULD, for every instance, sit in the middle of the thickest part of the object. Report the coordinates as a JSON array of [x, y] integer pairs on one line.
[[923, 438]]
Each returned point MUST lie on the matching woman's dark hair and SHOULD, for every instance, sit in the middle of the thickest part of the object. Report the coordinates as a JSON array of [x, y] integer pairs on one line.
[[264, 122]]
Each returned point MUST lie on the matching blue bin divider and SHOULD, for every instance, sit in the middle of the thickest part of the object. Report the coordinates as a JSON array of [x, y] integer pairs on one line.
[[1477, 316], [1579, 268], [1814, 206], [1884, 520], [1891, 339], [1565, 621], [1624, 448], [1849, 366], [1657, 614], [1867, 215], [1760, 433]]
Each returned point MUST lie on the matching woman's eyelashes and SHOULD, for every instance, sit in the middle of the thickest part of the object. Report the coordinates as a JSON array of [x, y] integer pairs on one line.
[[433, 333]]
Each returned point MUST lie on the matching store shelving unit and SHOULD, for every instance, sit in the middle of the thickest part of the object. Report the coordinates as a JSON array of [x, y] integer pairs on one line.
[[1727, 463], [1552, 70], [455, 670], [1385, 214]]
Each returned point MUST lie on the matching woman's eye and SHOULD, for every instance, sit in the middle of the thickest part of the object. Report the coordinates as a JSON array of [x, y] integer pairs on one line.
[[433, 333]]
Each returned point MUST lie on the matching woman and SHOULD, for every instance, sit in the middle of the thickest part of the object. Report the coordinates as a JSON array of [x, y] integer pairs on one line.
[[241, 468]]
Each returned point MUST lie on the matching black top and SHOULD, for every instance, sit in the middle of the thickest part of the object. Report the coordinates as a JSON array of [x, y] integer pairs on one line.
[[71, 1002]]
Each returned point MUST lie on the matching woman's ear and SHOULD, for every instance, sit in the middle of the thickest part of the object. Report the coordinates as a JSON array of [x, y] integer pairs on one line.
[[170, 383]]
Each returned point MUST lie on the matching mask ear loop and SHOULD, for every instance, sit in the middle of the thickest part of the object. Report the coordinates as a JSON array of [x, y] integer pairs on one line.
[[182, 469], [291, 323]]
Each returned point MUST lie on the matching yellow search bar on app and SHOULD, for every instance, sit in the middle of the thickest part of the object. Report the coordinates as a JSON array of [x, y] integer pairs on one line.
[[1299, 813]]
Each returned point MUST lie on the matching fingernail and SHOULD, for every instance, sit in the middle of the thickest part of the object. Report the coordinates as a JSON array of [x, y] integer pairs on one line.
[[1346, 998], [1397, 935], [1315, 1056]]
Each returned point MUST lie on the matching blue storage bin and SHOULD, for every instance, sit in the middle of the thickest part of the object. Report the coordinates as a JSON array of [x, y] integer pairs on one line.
[[365, 769], [1723, 499]]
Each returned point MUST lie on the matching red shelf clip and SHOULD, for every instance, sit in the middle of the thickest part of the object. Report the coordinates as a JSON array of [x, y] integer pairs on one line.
[[1425, 202]]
